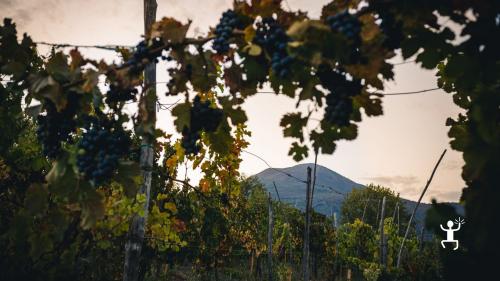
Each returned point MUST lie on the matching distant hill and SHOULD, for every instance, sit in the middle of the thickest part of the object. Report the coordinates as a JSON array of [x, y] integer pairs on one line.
[[326, 199]]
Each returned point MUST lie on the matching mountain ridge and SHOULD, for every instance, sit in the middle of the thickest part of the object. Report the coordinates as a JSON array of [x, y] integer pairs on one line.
[[329, 190]]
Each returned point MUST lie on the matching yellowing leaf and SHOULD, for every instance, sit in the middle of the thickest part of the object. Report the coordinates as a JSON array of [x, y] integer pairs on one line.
[[91, 80], [370, 29], [171, 207], [249, 33], [170, 30], [254, 50], [204, 185]]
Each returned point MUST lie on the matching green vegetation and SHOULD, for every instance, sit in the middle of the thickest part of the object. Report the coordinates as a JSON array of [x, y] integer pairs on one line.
[[74, 192]]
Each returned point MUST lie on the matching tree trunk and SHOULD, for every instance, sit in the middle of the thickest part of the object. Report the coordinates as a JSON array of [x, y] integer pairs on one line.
[[133, 245]]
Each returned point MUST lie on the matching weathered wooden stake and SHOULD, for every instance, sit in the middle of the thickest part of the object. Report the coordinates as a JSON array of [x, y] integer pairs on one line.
[[378, 210], [382, 235], [364, 210], [415, 209], [133, 245]]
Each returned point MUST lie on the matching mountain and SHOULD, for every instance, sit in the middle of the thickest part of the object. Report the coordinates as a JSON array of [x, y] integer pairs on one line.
[[328, 193], [292, 190]]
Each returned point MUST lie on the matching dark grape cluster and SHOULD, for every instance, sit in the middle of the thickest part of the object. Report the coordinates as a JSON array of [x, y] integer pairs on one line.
[[346, 24], [224, 31], [117, 94], [189, 141], [56, 127], [392, 30], [273, 38], [144, 52], [203, 117], [339, 100], [99, 150]]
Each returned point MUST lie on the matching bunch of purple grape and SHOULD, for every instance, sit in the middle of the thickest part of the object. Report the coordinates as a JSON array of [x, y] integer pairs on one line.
[[99, 150], [346, 24], [271, 36], [339, 101], [56, 127], [224, 31], [203, 118]]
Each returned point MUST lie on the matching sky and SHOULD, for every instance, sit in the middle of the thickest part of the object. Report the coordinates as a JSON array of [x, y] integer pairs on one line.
[[397, 150]]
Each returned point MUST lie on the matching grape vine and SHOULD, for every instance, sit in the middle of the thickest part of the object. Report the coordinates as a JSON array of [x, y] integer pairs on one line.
[[339, 101], [56, 127], [272, 36], [346, 24], [101, 146], [203, 118], [224, 31]]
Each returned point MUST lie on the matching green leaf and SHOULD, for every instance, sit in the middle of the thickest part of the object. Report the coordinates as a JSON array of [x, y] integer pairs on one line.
[[409, 47], [42, 86], [34, 111], [236, 114], [325, 140], [58, 170], [92, 208], [429, 58], [14, 68], [203, 77], [182, 115], [40, 243], [298, 152], [372, 105], [221, 139], [313, 42], [309, 91], [63, 181], [128, 176], [58, 67], [36, 200], [292, 124]]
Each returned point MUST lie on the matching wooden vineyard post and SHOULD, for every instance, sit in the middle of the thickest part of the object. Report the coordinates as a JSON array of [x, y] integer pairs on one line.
[[382, 235], [364, 209], [305, 256], [135, 237], [378, 211], [415, 209]]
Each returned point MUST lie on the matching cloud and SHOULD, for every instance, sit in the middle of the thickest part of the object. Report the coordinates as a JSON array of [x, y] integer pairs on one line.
[[445, 195], [395, 181], [453, 165]]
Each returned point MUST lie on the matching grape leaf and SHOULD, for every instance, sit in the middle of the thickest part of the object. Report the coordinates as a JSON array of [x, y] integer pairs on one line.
[[170, 30], [92, 208], [298, 152], [36, 200], [292, 124], [182, 114], [129, 177]]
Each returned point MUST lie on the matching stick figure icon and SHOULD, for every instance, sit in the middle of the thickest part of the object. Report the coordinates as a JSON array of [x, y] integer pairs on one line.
[[450, 232]]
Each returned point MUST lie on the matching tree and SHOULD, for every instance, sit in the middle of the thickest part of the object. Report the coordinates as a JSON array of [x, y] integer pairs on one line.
[[367, 201]]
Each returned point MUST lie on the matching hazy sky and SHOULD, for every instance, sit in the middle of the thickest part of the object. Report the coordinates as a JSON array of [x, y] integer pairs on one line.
[[398, 149]]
